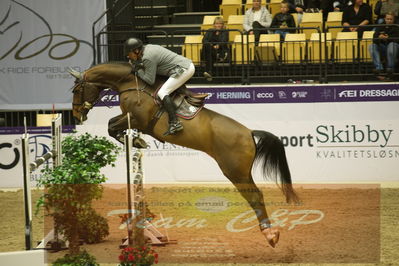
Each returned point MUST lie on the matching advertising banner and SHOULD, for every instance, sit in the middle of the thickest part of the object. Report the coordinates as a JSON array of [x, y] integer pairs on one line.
[[40, 39], [326, 141]]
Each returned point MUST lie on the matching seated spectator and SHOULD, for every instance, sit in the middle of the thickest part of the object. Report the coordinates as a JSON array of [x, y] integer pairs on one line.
[[386, 45], [283, 20], [215, 46], [341, 5], [326, 6], [382, 7], [357, 14], [257, 19], [298, 7]]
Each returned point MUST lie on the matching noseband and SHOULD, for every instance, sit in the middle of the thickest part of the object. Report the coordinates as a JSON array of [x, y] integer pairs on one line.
[[85, 104]]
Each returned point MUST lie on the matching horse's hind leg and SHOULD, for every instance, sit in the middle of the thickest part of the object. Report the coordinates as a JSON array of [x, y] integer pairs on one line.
[[254, 197]]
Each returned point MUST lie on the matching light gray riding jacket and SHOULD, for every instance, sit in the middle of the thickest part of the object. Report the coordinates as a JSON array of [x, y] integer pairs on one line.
[[158, 60], [265, 18]]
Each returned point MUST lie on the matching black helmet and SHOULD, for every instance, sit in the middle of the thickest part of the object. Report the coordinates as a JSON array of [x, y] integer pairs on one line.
[[132, 44]]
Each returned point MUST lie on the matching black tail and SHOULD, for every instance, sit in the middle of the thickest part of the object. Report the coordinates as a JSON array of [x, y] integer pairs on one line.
[[270, 153]]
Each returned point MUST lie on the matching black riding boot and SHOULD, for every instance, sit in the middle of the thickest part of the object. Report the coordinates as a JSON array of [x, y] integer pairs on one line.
[[174, 123]]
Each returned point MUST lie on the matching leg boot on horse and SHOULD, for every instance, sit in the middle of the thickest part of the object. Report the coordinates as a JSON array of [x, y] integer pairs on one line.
[[174, 123]]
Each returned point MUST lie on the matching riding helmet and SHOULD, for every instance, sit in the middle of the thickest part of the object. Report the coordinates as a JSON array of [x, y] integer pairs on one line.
[[132, 44]]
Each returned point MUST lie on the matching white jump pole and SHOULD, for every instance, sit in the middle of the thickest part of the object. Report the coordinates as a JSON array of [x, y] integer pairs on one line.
[[29, 167]]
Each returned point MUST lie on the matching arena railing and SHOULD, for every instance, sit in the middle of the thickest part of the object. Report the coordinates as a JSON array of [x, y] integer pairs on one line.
[[351, 59], [111, 49], [321, 59]]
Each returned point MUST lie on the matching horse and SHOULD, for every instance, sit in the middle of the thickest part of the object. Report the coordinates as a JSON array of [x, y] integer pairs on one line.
[[234, 147]]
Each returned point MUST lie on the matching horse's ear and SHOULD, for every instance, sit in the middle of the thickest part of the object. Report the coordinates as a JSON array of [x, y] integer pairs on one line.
[[75, 73]]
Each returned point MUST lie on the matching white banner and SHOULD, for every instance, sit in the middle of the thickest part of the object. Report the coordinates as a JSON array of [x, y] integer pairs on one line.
[[325, 142], [39, 40]]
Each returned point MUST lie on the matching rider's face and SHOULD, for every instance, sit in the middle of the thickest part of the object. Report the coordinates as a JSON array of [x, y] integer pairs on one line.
[[133, 55]]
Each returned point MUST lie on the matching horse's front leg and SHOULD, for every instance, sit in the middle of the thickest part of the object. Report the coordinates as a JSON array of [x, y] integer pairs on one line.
[[116, 127]]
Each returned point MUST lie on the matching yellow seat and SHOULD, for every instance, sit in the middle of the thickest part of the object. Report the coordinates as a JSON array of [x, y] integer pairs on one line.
[[311, 20], [345, 46], [334, 19], [192, 48], [294, 48], [269, 47], [235, 22], [230, 7], [207, 23], [241, 48], [366, 41], [44, 120], [274, 7], [248, 4], [314, 47]]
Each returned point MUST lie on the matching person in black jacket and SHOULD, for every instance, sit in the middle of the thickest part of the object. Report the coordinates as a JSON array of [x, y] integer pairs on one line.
[[215, 46], [357, 14], [283, 20], [385, 43]]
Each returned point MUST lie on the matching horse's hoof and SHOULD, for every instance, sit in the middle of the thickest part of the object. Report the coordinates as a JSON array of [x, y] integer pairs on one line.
[[139, 143], [272, 236]]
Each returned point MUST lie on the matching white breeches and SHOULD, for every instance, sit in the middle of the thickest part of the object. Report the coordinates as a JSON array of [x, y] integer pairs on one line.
[[173, 84]]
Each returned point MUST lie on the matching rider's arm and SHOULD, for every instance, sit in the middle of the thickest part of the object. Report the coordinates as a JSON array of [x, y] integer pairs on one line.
[[149, 72]]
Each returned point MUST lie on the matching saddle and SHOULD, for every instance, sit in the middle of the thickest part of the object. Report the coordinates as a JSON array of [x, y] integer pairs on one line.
[[188, 103]]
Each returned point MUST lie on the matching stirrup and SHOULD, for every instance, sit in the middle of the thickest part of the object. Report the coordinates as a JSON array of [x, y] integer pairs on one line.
[[174, 127]]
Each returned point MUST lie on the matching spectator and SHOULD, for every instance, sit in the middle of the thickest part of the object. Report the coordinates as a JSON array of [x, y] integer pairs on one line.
[[326, 6], [256, 19], [298, 7], [357, 14], [382, 7], [215, 46], [385, 44], [283, 20], [341, 5]]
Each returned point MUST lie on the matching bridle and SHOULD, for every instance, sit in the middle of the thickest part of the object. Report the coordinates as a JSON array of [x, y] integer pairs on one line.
[[80, 88]]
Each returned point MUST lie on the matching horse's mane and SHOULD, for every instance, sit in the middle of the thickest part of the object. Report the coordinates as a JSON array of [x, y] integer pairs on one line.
[[123, 63]]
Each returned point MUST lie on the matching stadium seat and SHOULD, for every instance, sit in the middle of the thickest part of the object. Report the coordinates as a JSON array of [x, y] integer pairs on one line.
[[242, 47], [207, 23], [311, 20], [364, 44], [314, 47], [230, 7], [334, 19], [192, 48], [345, 46], [294, 48], [235, 22], [274, 6], [268, 49]]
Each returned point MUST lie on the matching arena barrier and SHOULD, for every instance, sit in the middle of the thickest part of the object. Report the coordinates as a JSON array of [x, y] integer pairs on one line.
[[31, 257], [29, 167]]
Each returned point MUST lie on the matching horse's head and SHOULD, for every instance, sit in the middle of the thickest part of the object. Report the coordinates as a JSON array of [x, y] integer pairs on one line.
[[85, 96], [88, 85]]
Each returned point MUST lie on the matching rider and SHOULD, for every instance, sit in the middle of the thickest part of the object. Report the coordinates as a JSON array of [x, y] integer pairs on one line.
[[150, 60]]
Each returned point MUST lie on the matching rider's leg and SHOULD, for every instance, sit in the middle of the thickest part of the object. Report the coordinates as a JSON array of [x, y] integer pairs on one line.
[[172, 84]]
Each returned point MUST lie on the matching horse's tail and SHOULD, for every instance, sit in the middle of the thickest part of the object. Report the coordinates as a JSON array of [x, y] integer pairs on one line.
[[270, 153]]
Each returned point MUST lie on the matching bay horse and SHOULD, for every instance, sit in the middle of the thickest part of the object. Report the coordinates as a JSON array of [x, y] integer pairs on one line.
[[234, 147]]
